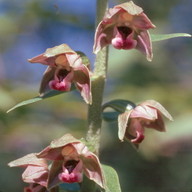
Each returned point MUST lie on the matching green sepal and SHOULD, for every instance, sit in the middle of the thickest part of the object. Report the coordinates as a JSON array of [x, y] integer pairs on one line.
[[161, 37], [84, 58]]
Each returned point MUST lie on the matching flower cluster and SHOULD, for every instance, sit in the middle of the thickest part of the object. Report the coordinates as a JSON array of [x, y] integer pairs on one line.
[[70, 160]]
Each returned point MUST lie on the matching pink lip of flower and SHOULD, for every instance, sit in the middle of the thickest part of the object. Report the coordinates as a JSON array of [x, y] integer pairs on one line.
[[65, 67], [71, 159], [147, 114], [125, 26], [124, 39], [72, 172], [36, 171]]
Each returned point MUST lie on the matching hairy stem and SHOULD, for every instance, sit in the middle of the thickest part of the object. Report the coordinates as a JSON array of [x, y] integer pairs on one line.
[[95, 110], [98, 83]]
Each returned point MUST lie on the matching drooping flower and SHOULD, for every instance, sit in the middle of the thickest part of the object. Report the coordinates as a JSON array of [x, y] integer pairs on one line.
[[36, 172], [125, 26], [65, 67], [148, 114], [71, 159]]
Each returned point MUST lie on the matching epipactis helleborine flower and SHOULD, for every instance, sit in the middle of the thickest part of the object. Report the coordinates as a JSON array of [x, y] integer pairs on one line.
[[36, 172], [65, 67], [125, 26], [71, 158], [148, 114]]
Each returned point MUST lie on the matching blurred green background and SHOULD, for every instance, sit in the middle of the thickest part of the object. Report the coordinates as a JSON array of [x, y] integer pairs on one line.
[[164, 160]]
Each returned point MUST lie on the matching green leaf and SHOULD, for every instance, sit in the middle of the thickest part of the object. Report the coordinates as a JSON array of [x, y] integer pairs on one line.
[[119, 105], [49, 94], [110, 116], [160, 37], [111, 179]]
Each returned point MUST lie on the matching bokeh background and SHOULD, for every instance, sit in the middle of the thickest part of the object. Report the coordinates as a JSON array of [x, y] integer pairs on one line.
[[164, 160]]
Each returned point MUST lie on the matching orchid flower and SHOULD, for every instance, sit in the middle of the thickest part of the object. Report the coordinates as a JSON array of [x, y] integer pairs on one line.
[[65, 67], [36, 172], [125, 26], [71, 159], [148, 114]]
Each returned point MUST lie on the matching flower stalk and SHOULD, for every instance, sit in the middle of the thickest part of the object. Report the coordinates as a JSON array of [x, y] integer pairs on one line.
[[98, 83]]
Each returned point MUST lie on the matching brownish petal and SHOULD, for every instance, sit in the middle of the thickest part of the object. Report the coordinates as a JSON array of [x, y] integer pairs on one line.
[[65, 140], [51, 154], [103, 35], [83, 83], [145, 112], [47, 77], [144, 44], [158, 124], [123, 120], [159, 107], [54, 150], [30, 159], [35, 174], [92, 168], [55, 169], [130, 8], [58, 50]]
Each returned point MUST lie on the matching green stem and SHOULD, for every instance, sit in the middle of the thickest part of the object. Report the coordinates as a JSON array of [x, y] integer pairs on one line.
[[98, 83], [95, 110]]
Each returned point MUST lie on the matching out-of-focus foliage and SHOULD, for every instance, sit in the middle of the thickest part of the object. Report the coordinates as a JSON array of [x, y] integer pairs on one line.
[[164, 160]]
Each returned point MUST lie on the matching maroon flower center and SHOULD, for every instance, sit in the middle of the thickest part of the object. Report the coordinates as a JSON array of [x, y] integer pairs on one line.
[[62, 81], [124, 38], [72, 172], [70, 165], [124, 31]]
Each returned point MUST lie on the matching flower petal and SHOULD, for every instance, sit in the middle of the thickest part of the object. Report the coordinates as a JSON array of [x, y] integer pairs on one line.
[[47, 77], [159, 107], [55, 170], [30, 159], [83, 83], [92, 168], [144, 44], [58, 50], [74, 60], [42, 59], [48, 58], [122, 124], [135, 131], [35, 174], [145, 112], [158, 124], [65, 140], [55, 149], [130, 8]]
